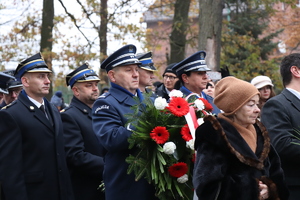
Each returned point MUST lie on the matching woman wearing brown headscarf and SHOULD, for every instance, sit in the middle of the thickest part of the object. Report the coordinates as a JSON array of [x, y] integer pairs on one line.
[[235, 160]]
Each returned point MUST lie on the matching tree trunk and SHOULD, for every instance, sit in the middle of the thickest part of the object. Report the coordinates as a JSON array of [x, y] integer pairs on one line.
[[178, 34], [210, 27], [103, 40], [46, 35]]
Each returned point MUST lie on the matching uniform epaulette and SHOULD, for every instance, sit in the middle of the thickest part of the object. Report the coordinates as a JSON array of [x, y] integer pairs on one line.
[[9, 105], [104, 95]]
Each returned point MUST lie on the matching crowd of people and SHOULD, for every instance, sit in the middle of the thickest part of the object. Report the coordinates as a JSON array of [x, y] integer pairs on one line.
[[247, 149]]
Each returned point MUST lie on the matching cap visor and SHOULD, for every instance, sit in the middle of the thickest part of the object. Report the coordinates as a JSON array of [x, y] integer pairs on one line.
[[15, 86], [4, 91], [263, 84], [198, 69], [148, 69], [40, 70], [90, 78], [131, 62], [204, 68]]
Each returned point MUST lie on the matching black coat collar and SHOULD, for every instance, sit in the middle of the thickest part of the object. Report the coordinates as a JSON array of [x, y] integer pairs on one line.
[[85, 109]]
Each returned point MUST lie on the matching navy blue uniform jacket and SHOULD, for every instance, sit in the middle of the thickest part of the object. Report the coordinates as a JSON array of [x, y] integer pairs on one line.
[[32, 157], [84, 153], [109, 126]]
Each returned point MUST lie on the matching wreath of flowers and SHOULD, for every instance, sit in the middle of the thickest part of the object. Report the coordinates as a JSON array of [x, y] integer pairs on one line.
[[164, 145]]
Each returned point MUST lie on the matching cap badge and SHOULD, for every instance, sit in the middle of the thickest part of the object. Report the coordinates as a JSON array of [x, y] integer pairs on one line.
[[202, 56], [131, 49]]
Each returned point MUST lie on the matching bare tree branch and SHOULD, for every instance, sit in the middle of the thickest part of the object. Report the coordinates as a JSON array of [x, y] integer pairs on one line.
[[87, 14], [75, 22]]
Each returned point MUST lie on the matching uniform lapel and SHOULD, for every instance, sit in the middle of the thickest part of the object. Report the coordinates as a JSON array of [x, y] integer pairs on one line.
[[55, 117], [51, 110], [36, 112], [82, 107]]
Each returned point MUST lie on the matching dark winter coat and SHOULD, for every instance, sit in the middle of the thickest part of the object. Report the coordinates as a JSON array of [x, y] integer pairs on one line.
[[227, 169], [84, 153], [32, 157], [3, 104], [161, 91], [284, 126], [149, 91]]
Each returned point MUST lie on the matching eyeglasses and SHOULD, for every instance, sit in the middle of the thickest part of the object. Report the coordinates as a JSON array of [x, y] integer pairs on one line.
[[172, 78]]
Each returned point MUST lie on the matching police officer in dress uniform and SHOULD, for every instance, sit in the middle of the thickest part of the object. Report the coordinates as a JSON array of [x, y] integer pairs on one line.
[[109, 124], [192, 74], [14, 87], [84, 153], [33, 162], [146, 72], [4, 79]]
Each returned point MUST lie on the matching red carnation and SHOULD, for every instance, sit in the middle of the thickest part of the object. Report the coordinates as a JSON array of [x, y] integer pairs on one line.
[[160, 134], [178, 169], [207, 105], [178, 106], [185, 132]]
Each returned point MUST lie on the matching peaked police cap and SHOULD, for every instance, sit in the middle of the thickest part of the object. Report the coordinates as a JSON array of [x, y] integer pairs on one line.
[[4, 79], [146, 61], [122, 57], [34, 63], [81, 74], [195, 62], [13, 83]]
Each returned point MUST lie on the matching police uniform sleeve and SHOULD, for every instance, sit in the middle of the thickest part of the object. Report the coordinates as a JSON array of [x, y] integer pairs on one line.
[[11, 175], [75, 150], [108, 125]]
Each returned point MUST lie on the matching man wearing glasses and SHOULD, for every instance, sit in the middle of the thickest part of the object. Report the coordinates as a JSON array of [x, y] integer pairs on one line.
[[168, 84], [14, 88]]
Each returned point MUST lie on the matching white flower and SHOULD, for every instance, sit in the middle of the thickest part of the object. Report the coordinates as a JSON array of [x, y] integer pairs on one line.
[[183, 179], [175, 93], [169, 148], [200, 121], [190, 144], [160, 103], [199, 104]]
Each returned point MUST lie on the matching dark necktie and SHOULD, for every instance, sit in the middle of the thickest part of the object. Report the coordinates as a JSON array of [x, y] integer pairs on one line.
[[42, 108]]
